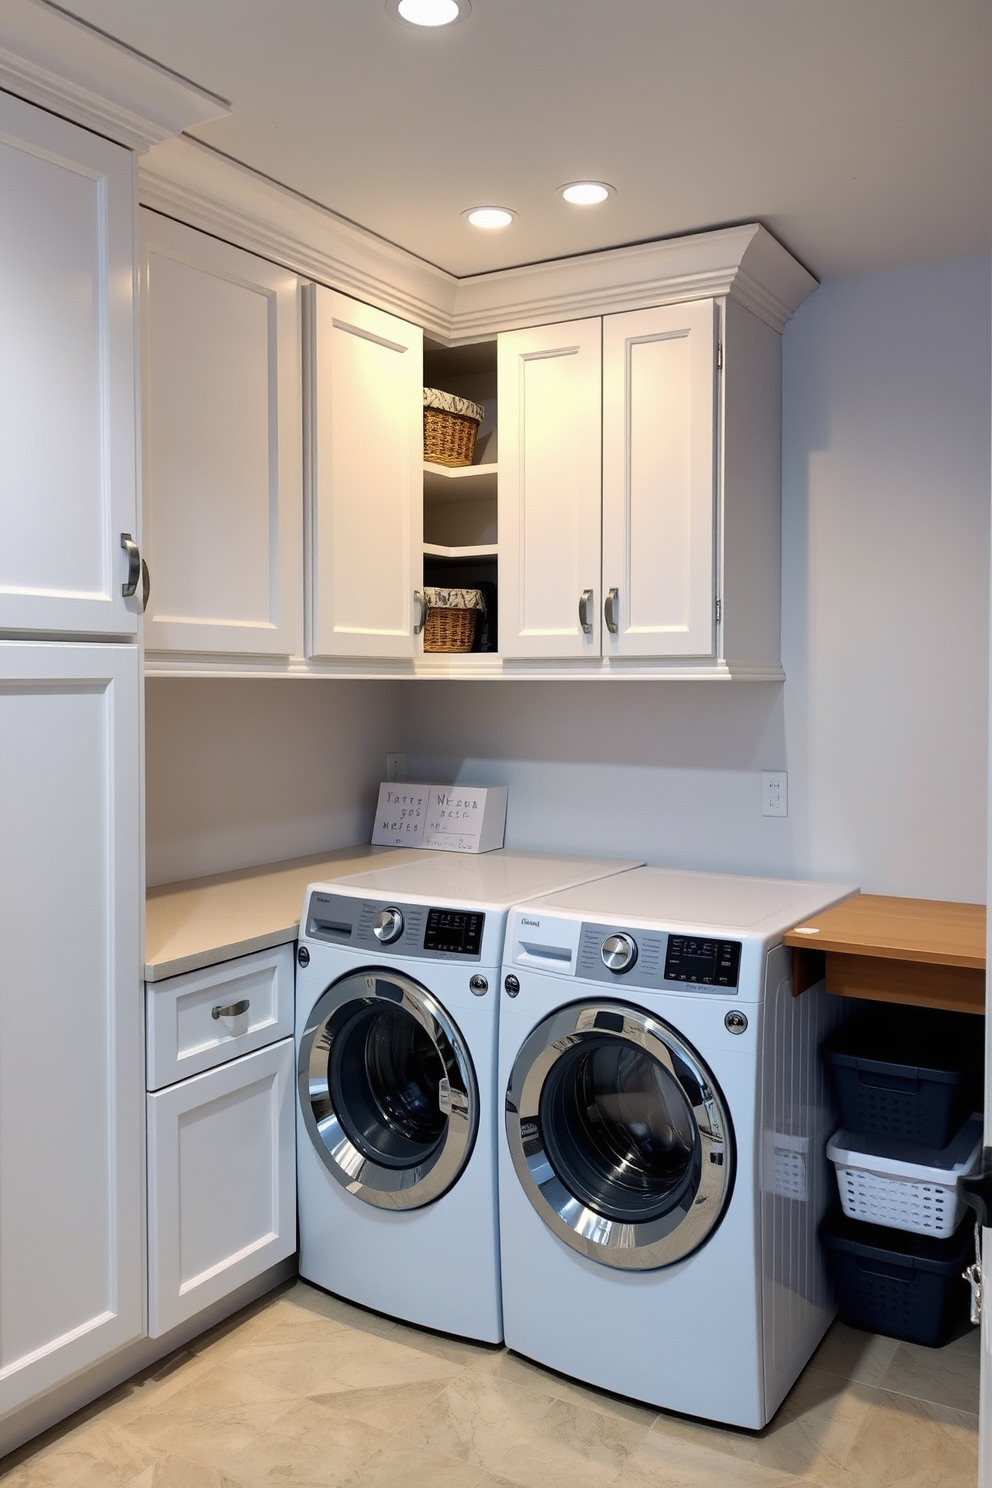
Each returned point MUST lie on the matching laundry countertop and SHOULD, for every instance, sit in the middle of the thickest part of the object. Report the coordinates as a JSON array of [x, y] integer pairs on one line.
[[205, 920]]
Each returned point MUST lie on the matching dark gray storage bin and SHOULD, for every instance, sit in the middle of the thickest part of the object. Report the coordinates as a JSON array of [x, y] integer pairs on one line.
[[905, 1286], [912, 1074]]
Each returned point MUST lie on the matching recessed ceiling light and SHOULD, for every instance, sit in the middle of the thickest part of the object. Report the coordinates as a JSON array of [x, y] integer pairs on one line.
[[586, 193], [428, 12], [489, 216]]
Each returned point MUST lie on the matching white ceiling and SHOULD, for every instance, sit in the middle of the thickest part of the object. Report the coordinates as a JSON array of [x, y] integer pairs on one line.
[[858, 131]]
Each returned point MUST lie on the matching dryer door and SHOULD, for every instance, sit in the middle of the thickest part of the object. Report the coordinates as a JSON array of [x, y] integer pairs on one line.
[[619, 1135], [387, 1090]]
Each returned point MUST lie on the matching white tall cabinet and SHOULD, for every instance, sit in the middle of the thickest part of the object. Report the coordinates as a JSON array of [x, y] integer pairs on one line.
[[67, 424], [71, 897], [223, 488]]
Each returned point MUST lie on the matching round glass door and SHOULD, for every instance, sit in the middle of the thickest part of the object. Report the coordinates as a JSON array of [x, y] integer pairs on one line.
[[619, 1136], [387, 1090]]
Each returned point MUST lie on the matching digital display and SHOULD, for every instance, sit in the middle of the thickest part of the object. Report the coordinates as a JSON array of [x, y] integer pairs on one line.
[[712, 963], [458, 932]]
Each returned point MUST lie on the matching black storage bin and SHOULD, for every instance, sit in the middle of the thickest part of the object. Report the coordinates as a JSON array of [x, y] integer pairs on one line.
[[913, 1074], [905, 1286]]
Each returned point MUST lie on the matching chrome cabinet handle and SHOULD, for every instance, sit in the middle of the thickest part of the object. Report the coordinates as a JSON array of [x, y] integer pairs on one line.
[[234, 1010], [420, 599], [130, 547], [610, 611], [146, 585], [585, 602]]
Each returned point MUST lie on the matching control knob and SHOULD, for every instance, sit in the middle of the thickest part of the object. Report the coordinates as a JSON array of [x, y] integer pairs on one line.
[[619, 952], [387, 925]]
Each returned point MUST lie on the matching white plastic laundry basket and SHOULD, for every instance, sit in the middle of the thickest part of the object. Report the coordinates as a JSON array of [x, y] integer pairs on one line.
[[904, 1187]]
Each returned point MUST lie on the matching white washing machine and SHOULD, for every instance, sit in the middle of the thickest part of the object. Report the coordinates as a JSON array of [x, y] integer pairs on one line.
[[661, 1168], [397, 997]]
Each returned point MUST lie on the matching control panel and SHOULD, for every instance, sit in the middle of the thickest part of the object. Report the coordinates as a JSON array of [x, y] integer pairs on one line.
[[652, 959], [375, 925]]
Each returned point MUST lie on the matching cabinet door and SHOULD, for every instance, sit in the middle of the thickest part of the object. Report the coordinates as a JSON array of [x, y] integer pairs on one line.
[[223, 420], [221, 1182], [659, 479], [366, 498], [549, 489], [67, 376], [71, 1096]]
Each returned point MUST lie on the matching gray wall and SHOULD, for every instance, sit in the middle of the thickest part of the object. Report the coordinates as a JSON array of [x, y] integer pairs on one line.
[[244, 772], [882, 722]]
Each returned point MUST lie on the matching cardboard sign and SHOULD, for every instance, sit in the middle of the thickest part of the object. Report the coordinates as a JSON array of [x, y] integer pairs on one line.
[[448, 818], [401, 814]]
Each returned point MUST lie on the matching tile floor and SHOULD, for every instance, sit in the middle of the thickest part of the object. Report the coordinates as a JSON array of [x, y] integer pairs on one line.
[[303, 1390]]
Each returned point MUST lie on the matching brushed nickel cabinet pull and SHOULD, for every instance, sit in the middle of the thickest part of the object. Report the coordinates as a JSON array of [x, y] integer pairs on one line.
[[130, 547], [585, 604], [610, 611], [233, 1010]]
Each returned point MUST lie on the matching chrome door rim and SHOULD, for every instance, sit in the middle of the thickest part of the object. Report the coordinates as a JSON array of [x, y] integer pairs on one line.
[[388, 1187], [623, 1245]]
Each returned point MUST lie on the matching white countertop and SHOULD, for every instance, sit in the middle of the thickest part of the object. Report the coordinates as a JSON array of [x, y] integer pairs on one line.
[[205, 920]]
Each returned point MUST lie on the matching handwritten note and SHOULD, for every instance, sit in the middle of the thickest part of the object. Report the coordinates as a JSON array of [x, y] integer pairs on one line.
[[447, 818]]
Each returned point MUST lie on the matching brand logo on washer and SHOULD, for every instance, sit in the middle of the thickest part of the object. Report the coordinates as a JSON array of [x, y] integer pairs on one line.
[[535, 923]]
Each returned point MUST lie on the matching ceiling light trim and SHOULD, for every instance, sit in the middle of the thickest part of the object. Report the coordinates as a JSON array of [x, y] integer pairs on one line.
[[52, 59], [506, 215], [393, 10], [587, 185]]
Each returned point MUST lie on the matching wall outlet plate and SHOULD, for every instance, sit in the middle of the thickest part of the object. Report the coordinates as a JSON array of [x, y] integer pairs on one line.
[[774, 793], [395, 766]]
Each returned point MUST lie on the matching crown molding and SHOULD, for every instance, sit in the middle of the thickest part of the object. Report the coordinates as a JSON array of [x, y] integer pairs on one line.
[[194, 184], [52, 59], [746, 263]]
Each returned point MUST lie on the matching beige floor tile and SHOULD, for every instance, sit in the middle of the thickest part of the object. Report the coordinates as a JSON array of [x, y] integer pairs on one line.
[[665, 1462], [477, 1418], [402, 1466], [97, 1455], [343, 1360], [309, 1445], [812, 1434], [853, 1355], [178, 1472], [572, 1447], [514, 1368], [461, 1351], [944, 1376], [323, 1304], [218, 1414], [387, 1406], [906, 1443]]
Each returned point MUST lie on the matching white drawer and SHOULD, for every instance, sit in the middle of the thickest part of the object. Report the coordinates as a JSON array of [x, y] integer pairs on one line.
[[203, 1018]]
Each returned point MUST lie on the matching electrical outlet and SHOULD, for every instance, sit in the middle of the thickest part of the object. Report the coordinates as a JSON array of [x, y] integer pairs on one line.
[[774, 793], [395, 766]]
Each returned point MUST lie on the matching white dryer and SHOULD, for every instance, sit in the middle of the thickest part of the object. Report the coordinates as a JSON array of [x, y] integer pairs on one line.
[[396, 1020], [661, 1163]]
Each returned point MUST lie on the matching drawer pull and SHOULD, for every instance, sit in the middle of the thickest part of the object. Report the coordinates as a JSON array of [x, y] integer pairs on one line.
[[234, 1010]]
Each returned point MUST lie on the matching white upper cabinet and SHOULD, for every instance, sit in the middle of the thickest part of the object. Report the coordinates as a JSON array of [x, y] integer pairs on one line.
[[549, 490], [71, 1096], [660, 481], [223, 446], [366, 482], [67, 377]]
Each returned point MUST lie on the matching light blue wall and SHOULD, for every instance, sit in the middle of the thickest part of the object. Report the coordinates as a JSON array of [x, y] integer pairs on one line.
[[882, 722]]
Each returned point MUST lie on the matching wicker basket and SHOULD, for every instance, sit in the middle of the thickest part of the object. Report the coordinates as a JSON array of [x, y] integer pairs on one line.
[[450, 427], [452, 615]]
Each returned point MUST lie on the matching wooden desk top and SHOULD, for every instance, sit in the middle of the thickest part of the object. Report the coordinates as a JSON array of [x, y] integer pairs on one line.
[[937, 932]]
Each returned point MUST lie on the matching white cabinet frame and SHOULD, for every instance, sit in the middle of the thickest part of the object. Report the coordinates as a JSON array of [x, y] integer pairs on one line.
[[223, 446]]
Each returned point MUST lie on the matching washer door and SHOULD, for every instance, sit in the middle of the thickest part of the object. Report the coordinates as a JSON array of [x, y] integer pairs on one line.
[[387, 1090], [619, 1135]]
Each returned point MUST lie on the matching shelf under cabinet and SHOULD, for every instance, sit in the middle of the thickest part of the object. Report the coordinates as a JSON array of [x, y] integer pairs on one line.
[[461, 482], [483, 550]]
